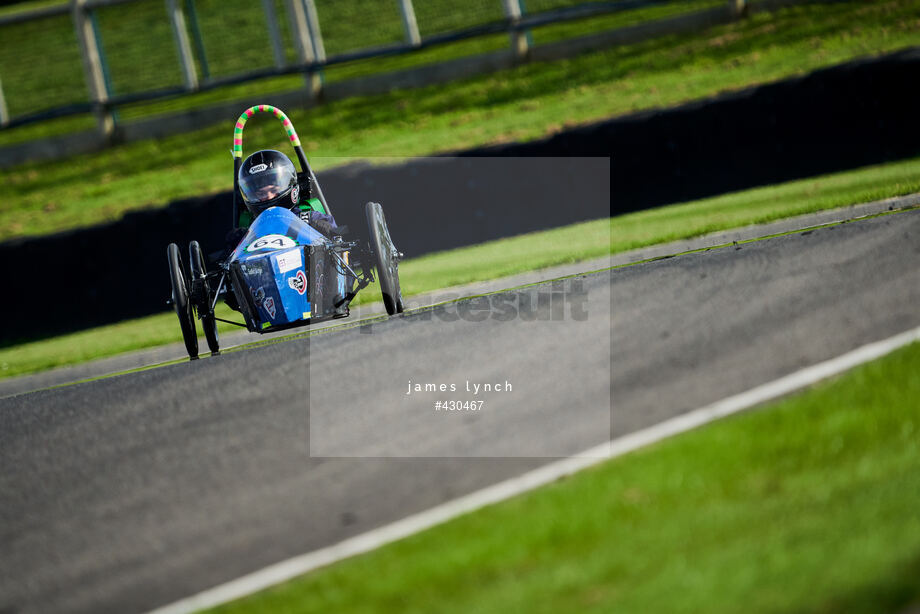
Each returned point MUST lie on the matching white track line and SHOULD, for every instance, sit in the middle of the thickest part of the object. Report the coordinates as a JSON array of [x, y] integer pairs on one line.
[[285, 570]]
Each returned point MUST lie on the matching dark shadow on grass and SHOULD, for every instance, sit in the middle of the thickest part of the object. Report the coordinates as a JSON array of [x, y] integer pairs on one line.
[[898, 592]]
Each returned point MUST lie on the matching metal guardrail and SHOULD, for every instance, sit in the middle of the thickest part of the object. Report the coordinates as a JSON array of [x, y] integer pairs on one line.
[[302, 24]]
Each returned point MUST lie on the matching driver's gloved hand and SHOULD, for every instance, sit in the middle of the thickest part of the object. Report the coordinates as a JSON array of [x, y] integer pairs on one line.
[[324, 223], [334, 231]]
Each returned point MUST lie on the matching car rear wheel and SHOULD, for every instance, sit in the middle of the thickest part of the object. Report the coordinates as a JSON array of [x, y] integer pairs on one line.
[[180, 300], [201, 295], [386, 257]]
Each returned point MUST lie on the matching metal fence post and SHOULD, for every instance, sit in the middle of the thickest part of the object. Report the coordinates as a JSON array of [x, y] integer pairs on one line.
[[4, 111], [199, 41], [92, 66], [519, 46], [182, 44], [274, 33], [409, 23], [303, 44], [316, 37]]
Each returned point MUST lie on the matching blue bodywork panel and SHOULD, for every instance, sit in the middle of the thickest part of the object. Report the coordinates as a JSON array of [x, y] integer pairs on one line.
[[273, 260]]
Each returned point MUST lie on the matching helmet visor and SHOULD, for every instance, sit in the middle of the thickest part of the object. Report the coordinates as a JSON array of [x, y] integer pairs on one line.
[[262, 183]]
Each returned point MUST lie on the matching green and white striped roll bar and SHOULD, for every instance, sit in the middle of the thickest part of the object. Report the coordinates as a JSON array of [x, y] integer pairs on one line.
[[238, 153]]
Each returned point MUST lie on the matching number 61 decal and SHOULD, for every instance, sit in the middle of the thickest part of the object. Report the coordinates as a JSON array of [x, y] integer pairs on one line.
[[271, 242]]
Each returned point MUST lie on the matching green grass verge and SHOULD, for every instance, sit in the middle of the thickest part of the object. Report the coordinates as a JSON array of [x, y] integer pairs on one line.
[[765, 204], [527, 252], [808, 505], [524, 103]]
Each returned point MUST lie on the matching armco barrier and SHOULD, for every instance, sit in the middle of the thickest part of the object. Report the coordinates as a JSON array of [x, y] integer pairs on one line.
[[843, 117]]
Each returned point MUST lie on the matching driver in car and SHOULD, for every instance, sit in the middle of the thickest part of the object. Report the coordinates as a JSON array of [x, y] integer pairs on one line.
[[268, 178]]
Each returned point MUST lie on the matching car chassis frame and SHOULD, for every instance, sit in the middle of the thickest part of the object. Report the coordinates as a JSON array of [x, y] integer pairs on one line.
[[350, 263]]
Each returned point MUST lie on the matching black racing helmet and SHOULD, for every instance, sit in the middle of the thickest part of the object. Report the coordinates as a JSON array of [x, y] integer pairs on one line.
[[268, 179]]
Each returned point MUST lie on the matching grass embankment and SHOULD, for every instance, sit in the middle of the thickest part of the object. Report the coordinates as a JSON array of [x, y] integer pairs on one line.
[[809, 505], [518, 254], [525, 103]]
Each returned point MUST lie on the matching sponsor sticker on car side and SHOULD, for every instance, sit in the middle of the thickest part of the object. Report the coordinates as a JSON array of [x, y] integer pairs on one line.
[[288, 261], [298, 282]]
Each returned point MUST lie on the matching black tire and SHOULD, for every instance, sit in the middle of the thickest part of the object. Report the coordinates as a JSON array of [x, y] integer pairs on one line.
[[202, 298], [386, 257], [180, 300]]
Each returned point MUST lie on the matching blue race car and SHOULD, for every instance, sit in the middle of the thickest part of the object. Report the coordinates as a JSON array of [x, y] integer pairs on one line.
[[283, 272]]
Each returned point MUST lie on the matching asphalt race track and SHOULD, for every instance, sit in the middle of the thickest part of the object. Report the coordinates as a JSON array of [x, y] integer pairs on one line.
[[127, 493]]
